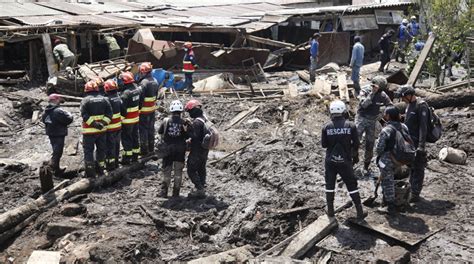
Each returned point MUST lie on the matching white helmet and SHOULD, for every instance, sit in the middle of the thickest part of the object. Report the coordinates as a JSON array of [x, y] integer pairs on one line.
[[337, 107], [413, 17], [405, 21], [176, 106]]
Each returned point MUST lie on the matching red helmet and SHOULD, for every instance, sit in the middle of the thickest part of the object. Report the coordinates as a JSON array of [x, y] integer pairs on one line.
[[188, 45], [127, 77], [54, 97], [145, 67], [110, 85], [57, 41], [91, 86], [192, 104]]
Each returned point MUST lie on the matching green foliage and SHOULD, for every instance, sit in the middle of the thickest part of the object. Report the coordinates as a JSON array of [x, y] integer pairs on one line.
[[451, 21]]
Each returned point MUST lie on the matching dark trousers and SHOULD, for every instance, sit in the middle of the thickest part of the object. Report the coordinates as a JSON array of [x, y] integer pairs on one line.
[[197, 170], [113, 147], [130, 139], [188, 82], [97, 141], [57, 143], [417, 174], [384, 59], [347, 174], [147, 132]]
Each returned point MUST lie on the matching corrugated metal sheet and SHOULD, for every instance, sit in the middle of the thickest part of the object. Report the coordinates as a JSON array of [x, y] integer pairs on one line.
[[104, 20], [84, 9], [26, 9], [224, 10]]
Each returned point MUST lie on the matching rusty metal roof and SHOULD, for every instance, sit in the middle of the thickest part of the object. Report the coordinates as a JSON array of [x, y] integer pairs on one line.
[[25, 9], [103, 20], [96, 8]]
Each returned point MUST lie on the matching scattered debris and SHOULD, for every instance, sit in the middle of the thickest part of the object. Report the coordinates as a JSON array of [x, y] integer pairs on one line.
[[452, 155]]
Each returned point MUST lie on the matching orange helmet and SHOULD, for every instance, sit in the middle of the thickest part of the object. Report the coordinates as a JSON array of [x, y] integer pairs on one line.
[[127, 77], [145, 67], [91, 86], [192, 104], [110, 85], [188, 45]]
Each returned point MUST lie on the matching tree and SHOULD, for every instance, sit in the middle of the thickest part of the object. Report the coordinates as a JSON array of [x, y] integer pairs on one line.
[[451, 21]]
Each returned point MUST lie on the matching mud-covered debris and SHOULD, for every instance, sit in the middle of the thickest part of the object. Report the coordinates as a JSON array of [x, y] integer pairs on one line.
[[394, 254], [72, 209], [58, 229]]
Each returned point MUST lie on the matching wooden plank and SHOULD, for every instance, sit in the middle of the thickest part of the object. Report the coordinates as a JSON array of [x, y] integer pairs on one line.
[[240, 116], [342, 83], [304, 75], [236, 255], [421, 60], [48, 52], [309, 236], [321, 86], [44, 257], [270, 42], [409, 229], [293, 90]]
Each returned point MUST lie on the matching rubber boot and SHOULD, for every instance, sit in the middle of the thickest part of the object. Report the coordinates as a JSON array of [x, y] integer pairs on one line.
[[166, 181], [56, 169], [100, 168], [126, 160], [178, 175], [134, 157], [90, 170], [414, 198], [390, 209], [144, 151], [110, 166], [330, 203], [358, 206]]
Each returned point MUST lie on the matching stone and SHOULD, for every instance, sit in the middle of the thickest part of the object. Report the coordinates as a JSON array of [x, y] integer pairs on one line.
[[59, 229], [394, 254], [72, 209], [41, 257]]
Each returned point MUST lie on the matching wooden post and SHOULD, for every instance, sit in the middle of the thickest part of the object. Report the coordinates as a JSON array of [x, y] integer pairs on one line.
[[89, 41], [33, 53], [48, 51], [421, 60]]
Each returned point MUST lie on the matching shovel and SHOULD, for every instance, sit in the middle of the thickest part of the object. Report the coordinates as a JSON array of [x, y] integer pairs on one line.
[[369, 201]]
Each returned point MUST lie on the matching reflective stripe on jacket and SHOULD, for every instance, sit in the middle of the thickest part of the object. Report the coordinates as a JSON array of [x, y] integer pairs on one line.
[[95, 107], [116, 123], [130, 104], [188, 62], [149, 93], [86, 126], [116, 103]]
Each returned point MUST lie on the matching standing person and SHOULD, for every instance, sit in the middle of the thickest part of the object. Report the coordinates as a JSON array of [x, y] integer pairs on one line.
[[339, 138], [189, 66], [63, 55], [371, 99], [149, 93], [413, 27], [96, 114], [314, 56], [197, 157], [112, 45], [113, 129], [403, 40], [384, 44], [416, 119], [357, 60], [385, 160], [130, 117], [56, 121], [174, 135]]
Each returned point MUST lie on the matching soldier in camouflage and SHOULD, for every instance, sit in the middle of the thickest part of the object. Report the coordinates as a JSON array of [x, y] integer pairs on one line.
[[371, 99], [385, 160]]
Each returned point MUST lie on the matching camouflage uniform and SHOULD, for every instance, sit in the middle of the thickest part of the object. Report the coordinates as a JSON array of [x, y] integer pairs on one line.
[[368, 115], [385, 162]]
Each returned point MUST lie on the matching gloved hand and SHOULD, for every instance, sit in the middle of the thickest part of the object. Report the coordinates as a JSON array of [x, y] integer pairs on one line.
[[355, 159], [97, 125]]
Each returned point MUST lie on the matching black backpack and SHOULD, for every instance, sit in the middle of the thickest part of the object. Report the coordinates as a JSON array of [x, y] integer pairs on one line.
[[434, 128], [404, 150]]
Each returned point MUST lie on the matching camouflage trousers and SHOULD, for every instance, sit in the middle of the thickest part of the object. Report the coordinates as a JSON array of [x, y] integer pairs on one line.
[[387, 171], [367, 126]]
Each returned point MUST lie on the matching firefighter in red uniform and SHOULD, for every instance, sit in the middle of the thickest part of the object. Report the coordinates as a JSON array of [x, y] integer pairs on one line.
[[189, 66], [149, 93], [96, 114], [113, 129], [130, 116]]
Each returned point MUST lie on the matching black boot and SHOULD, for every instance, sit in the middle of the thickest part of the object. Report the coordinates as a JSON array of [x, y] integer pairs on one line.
[[110, 166], [390, 209], [134, 157], [126, 160], [330, 203], [358, 206], [90, 170], [164, 191], [176, 192], [414, 198]]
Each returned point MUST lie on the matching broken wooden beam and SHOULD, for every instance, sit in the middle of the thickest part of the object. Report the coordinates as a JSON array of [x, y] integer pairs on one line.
[[421, 60], [48, 52], [241, 116], [236, 255], [230, 154], [342, 84], [309, 236], [270, 42]]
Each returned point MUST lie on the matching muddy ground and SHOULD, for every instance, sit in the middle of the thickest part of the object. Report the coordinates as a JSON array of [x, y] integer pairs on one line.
[[281, 168]]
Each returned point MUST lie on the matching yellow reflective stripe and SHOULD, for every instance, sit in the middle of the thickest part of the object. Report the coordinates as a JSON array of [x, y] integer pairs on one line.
[[132, 109], [150, 99], [185, 61], [136, 150], [148, 109], [111, 160], [106, 119], [94, 118], [127, 153], [91, 130], [130, 120], [116, 125], [117, 115], [101, 163]]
